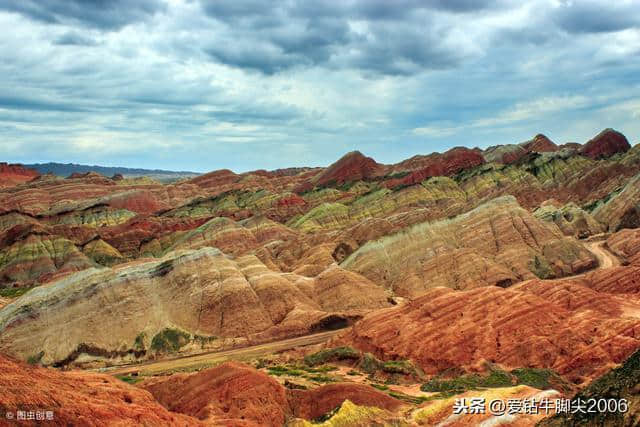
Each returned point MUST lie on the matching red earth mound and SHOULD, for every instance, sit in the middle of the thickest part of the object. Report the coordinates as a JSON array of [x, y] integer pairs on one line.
[[605, 144], [446, 329], [79, 398], [540, 144], [13, 174], [236, 394]]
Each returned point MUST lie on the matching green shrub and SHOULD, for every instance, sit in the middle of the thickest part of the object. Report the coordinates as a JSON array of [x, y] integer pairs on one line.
[[169, 340], [338, 353], [35, 359], [398, 367], [138, 344], [14, 292]]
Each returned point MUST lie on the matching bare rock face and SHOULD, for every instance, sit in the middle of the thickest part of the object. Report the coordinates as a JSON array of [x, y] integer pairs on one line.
[[81, 398], [189, 293], [623, 209], [605, 144], [497, 243], [447, 329]]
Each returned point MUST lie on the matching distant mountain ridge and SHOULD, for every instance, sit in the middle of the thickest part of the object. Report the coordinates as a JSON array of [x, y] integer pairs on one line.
[[66, 169]]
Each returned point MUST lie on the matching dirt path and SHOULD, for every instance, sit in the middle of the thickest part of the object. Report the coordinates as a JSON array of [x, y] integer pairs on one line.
[[605, 258], [193, 361]]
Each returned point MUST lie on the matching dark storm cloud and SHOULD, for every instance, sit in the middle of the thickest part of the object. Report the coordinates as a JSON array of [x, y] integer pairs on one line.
[[597, 17], [101, 14], [400, 37], [248, 84]]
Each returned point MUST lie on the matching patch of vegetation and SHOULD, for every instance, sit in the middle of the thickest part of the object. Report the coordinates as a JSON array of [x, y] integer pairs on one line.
[[591, 206], [622, 382], [36, 358], [398, 367], [369, 363], [14, 292], [203, 340], [338, 353], [381, 387], [138, 344], [326, 417], [541, 268], [353, 372], [496, 378], [280, 370], [537, 378], [397, 175], [169, 340], [129, 379], [321, 378], [415, 400]]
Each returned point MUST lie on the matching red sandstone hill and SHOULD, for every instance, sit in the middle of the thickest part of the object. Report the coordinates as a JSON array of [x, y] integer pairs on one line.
[[540, 144], [80, 398], [422, 167], [533, 325], [605, 144], [234, 393], [353, 166], [14, 174]]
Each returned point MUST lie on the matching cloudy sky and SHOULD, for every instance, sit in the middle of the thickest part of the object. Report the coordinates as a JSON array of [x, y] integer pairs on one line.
[[247, 84]]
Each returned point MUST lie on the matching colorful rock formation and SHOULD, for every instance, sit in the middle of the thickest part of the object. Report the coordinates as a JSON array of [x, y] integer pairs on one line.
[[12, 174], [498, 243]]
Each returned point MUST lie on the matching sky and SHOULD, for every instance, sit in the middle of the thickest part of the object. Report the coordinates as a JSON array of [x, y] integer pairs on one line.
[[246, 84]]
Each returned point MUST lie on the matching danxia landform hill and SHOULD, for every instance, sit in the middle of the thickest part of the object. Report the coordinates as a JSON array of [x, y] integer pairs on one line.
[[509, 272]]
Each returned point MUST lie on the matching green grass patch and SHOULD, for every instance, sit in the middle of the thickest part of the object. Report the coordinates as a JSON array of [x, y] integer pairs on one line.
[[129, 379], [321, 378], [169, 340], [398, 367], [14, 292], [280, 370], [36, 358], [138, 344], [338, 353], [381, 387]]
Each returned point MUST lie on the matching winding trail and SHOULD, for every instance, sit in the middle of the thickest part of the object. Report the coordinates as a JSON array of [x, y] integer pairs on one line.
[[605, 258], [214, 357]]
